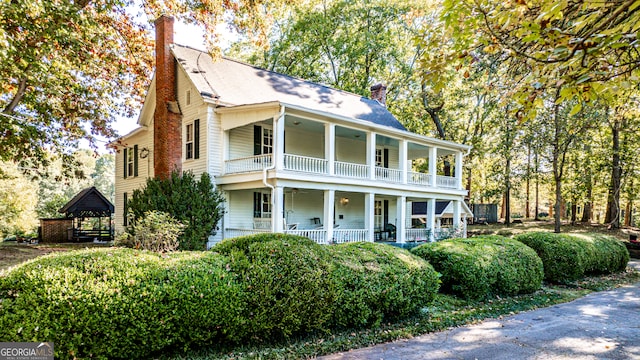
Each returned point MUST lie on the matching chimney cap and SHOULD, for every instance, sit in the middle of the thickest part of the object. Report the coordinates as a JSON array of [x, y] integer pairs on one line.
[[378, 86]]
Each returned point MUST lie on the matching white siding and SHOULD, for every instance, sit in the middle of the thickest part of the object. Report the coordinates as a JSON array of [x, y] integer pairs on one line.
[[197, 109], [241, 142], [304, 205], [240, 206], [304, 143], [349, 150]]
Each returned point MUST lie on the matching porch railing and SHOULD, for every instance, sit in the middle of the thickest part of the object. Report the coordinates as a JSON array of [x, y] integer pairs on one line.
[[231, 233], [318, 236], [447, 182], [419, 178], [305, 164], [359, 171], [247, 164], [449, 233], [386, 174], [412, 235], [350, 235]]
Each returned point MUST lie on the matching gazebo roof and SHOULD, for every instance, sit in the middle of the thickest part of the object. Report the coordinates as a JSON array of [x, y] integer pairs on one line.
[[88, 203]]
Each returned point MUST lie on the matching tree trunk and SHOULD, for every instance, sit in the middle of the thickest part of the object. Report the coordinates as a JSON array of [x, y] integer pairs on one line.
[[586, 213], [537, 205], [507, 192], [574, 210], [613, 197], [528, 175], [627, 214]]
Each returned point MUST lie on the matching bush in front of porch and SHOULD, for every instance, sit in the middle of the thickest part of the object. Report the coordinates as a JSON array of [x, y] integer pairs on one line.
[[378, 282], [484, 266]]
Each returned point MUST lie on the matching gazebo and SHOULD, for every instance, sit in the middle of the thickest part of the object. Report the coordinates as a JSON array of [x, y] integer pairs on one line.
[[91, 213]]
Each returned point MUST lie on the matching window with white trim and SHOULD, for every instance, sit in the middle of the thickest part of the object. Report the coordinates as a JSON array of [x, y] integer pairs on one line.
[[189, 142]]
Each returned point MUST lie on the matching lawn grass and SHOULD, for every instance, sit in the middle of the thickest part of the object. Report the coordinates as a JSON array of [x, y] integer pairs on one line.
[[445, 312], [12, 253]]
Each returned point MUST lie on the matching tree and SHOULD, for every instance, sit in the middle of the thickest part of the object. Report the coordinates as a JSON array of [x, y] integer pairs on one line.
[[70, 66], [194, 203], [18, 198]]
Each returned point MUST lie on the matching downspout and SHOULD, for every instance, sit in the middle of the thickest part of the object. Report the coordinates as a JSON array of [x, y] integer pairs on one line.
[[273, 166]]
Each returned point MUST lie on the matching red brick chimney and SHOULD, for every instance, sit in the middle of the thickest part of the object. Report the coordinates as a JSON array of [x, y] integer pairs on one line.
[[379, 92], [167, 120]]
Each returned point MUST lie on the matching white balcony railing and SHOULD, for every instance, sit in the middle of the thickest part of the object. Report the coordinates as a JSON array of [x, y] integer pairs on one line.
[[248, 164], [350, 235], [447, 182], [390, 175], [358, 171], [231, 233], [412, 235], [419, 178], [305, 164], [318, 236]]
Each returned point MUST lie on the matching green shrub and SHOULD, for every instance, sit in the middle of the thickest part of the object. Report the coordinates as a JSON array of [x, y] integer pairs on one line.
[[195, 203], [119, 303], [287, 281], [377, 282], [479, 267], [567, 258], [156, 231]]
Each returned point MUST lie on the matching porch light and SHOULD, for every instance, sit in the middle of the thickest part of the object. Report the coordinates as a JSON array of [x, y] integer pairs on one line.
[[296, 123], [344, 201]]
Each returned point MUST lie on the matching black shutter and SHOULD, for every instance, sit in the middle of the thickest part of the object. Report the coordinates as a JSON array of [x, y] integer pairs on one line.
[[385, 212], [135, 160], [257, 205], [386, 158], [196, 139], [124, 211], [257, 140], [125, 151]]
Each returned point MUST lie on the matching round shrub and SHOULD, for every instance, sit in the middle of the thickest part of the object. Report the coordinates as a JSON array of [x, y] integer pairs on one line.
[[479, 267], [287, 283], [119, 303], [567, 258], [377, 282]]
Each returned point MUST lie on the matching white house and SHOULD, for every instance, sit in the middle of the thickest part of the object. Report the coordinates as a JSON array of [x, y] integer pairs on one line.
[[289, 155]]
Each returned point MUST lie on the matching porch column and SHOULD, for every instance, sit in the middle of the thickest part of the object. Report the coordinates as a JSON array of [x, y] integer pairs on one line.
[[371, 154], [225, 215], [369, 223], [329, 204], [433, 158], [431, 218], [330, 147], [458, 171], [402, 161], [225, 150], [401, 215], [456, 212], [278, 139], [277, 210]]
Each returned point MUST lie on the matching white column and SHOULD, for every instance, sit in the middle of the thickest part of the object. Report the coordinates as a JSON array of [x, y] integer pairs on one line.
[[402, 160], [225, 150], [371, 154], [433, 159], [369, 223], [458, 172], [329, 205], [431, 218], [401, 216], [277, 210], [225, 215], [330, 147], [456, 213], [278, 139]]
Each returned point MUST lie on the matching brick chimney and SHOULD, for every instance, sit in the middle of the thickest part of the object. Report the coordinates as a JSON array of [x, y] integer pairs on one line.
[[379, 92], [167, 120]]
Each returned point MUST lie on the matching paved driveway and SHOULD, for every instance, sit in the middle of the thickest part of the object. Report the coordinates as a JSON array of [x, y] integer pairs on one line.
[[604, 325]]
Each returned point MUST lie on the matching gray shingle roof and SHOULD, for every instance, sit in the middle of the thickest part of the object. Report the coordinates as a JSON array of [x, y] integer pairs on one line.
[[237, 83]]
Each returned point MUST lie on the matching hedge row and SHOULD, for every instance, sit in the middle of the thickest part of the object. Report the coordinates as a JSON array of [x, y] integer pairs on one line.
[[569, 257], [123, 303], [480, 267]]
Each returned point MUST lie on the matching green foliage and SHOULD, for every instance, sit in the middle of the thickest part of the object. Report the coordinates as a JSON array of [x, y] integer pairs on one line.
[[18, 199], [156, 231], [119, 303], [287, 283], [567, 258], [377, 282], [194, 203], [483, 266]]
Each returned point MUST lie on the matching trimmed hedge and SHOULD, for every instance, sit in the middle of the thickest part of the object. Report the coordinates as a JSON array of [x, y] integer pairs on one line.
[[119, 303], [480, 267], [569, 257], [377, 282], [124, 303]]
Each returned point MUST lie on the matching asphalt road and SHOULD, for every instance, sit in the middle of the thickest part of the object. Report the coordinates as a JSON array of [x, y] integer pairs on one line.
[[603, 325]]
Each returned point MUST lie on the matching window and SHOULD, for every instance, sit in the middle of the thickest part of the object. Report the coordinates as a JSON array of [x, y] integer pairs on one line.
[[130, 161], [261, 205], [382, 157], [188, 97], [262, 140], [192, 140]]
